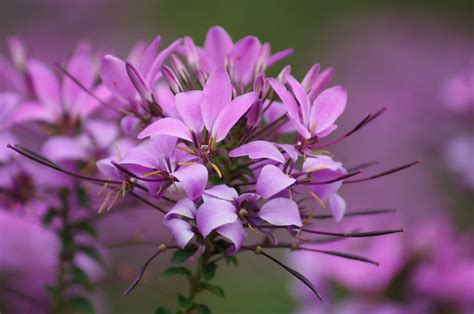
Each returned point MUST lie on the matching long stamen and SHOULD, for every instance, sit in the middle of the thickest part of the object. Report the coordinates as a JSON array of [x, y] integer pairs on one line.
[[354, 234], [353, 213], [340, 178], [385, 173]]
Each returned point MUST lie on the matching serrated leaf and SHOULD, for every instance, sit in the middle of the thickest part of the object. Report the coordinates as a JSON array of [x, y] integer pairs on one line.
[[182, 255], [163, 310], [213, 289], [173, 271], [184, 302], [80, 305], [209, 271]]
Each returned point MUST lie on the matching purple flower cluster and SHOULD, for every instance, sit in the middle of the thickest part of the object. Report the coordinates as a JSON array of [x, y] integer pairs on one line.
[[201, 134]]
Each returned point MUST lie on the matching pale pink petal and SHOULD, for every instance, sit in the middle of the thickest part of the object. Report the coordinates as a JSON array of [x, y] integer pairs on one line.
[[114, 75], [167, 126], [338, 206], [45, 84], [231, 114], [217, 45], [217, 95], [327, 107], [234, 232], [181, 231], [220, 191], [244, 56], [193, 179], [213, 214], [257, 150], [271, 181], [188, 105], [281, 212]]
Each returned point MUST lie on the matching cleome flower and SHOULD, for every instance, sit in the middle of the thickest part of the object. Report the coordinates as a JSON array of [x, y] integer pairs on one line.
[[217, 146]]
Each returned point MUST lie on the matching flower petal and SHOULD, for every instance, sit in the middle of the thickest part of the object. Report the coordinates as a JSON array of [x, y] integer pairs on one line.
[[281, 212], [271, 181], [301, 96], [217, 94], [31, 111], [234, 232], [338, 206], [167, 126], [257, 150], [288, 100], [146, 59], [290, 150], [311, 77], [231, 114], [60, 148], [213, 214], [327, 107], [114, 75], [321, 162], [244, 56], [45, 84], [221, 191], [218, 44], [181, 231], [188, 105], [321, 82], [184, 207], [81, 67], [193, 179]]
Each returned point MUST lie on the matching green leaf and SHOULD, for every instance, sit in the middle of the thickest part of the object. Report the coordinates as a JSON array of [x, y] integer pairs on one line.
[[182, 255], [81, 278], [213, 289], [209, 271], [80, 305], [85, 227], [49, 216], [173, 271], [184, 302], [231, 260], [53, 291], [163, 310], [81, 194], [201, 309]]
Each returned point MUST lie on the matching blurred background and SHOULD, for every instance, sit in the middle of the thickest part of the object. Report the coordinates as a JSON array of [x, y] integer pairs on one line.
[[404, 55]]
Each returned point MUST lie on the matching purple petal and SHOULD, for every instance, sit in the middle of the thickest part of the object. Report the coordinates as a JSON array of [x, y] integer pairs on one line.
[[146, 59], [185, 208], [290, 150], [181, 231], [220, 191], [188, 105], [327, 107], [321, 162], [271, 181], [167, 126], [280, 55], [128, 124], [338, 206], [193, 179], [45, 84], [103, 133], [82, 68], [213, 214], [231, 114], [301, 96], [139, 83], [218, 44], [234, 232], [217, 95], [31, 111], [321, 82], [106, 167], [154, 72], [165, 98], [257, 150], [286, 97], [244, 57], [311, 77], [114, 75], [281, 212]]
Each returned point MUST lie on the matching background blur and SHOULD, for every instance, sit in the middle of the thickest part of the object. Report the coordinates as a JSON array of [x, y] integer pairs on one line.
[[397, 54]]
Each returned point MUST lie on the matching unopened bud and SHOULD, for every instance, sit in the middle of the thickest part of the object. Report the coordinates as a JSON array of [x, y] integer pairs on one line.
[[172, 80]]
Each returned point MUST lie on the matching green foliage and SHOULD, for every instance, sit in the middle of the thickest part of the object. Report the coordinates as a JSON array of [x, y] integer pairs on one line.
[[209, 271], [214, 289], [184, 302], [81, 278], [163, 310], [80, 305], [173, 271], [183, 255]]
